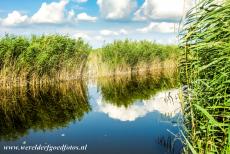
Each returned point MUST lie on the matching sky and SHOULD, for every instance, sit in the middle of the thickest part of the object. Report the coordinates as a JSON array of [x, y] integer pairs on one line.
[[96, 21]]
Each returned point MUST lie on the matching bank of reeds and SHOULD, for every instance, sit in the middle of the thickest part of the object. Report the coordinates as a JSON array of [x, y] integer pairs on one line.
[[39, 59], [205, 38], [127, 57]]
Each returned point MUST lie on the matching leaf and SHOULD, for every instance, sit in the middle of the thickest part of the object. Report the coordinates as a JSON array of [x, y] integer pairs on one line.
[[189, 144], [210, 117]]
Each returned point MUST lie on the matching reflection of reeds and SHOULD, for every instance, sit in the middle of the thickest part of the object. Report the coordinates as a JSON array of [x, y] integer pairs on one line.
[[125, 90], [170, 144], [41, 108]]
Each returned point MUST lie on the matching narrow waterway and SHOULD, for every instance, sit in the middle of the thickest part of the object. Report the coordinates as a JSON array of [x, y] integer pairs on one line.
[[125, 115]]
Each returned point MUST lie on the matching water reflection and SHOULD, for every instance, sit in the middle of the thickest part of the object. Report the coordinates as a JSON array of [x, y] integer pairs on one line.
[[40, 108], [128, 98], [166, 103], [124, 115], [126, 90]]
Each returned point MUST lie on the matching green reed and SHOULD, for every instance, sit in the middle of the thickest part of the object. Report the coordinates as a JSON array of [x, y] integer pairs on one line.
[[54, 56], [205, 68], [134, 54]]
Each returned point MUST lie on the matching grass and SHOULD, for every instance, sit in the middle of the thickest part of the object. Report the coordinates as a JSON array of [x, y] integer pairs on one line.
[[24, 59], [122, 57], [205, 68]]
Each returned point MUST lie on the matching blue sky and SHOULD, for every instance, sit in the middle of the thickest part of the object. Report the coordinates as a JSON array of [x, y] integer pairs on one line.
[[96, 21]]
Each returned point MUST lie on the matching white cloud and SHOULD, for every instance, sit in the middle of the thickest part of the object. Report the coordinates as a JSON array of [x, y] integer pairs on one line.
[[82, 35], [85, 17], [107, 32], [116, 9], [53, 13], [50, 13], [162, 27], [163, 9], [81, 1], [173, 40], [14, 18], [71, 15], [161, 102], [99, 38], [123, 31], [169, 41]]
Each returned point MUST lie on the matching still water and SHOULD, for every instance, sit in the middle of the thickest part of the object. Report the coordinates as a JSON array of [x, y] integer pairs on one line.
[[128, 115]]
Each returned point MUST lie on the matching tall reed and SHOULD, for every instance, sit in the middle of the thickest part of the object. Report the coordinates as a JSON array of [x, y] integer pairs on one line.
[[41, 58], [122, 57], [205, 68]]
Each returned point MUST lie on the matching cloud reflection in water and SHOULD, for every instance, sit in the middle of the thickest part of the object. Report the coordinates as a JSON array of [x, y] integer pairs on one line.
[[166, 102]]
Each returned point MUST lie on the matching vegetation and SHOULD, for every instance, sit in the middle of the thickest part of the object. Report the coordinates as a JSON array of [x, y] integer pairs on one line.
[[135, 56], [126, 90], [37, 57], [206, 70], [41, 108], [45, 58]]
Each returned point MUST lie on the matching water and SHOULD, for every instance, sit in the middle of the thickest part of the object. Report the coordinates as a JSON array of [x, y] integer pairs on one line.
[[131, 115]]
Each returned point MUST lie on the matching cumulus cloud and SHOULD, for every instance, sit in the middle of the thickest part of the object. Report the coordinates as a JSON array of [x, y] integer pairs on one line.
[[50, 13], [85, 17], [115, 9], [162, 27], [160, 102], [163, 9], [107, 32], [72, 17], [14, 18]]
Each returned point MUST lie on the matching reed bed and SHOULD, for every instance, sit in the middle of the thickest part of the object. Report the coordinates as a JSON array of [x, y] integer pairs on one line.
[[127, 57], [39, 59], [205, 68]]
